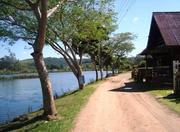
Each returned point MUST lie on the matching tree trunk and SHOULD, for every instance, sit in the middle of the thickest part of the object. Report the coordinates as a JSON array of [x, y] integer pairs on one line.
[[96, 74], [101, 72], [113, 71], [81, 85], [80, 79], [48, 100], [177, 85], [96, 70], [106, 71]]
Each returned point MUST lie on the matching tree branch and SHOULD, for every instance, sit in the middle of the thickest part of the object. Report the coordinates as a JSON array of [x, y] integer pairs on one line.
[[63, 53], [52, 10], [70, 48], [60, 48], [24, 37], [74, 62], [66, 44], [12, 21]]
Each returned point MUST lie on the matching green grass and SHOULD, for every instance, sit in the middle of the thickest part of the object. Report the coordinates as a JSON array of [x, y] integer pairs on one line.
[[68, 107], [172, 102]]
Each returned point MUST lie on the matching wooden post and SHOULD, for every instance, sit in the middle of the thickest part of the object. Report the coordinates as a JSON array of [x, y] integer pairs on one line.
[[176, 77], [146, 62]]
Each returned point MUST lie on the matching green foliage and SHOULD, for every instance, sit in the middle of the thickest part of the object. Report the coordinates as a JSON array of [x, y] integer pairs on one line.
[[77, 26], [9, 62], [122, 44], [87, 67], [93, 51], [125, 64], [138, 61], [142, 63], [83, 21], [116, 50], [17, 21], [105, 56]]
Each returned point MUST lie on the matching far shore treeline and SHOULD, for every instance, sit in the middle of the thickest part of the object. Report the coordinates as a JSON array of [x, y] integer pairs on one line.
[[9, 64]]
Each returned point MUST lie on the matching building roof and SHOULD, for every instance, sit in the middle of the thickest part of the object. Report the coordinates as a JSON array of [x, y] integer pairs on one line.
[[164, 30], [169, 26]]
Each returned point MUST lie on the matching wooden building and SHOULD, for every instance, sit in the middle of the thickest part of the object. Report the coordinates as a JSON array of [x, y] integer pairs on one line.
[[163, 47]]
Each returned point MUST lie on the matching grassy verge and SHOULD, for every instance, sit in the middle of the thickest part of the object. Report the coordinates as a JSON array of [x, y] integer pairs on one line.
[[68, 107], [166, 97]]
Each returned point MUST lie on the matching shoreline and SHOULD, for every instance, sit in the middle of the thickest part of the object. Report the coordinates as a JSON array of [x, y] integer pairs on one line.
[[19, 76], [75, 98], [28, 75], [56, 96]]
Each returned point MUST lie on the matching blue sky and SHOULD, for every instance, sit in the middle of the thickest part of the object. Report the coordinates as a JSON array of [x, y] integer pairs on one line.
[[136, 20]]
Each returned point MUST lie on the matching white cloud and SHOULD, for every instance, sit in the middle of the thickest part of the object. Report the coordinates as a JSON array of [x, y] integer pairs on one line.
[[135, 19]]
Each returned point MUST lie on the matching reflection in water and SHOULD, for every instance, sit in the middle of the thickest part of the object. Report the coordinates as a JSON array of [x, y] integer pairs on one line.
[[22, 95]]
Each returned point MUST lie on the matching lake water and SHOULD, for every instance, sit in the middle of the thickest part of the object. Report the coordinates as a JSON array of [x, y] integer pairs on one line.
[[19, 96]]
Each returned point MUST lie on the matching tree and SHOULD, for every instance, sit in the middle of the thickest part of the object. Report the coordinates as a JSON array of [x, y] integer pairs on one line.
[[27, 20], [121, 44], [77, 26], [92, 51], [106, 58], [8, 62]]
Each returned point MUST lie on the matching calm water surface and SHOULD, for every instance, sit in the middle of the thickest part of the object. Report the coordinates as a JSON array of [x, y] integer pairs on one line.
[[22, 95]]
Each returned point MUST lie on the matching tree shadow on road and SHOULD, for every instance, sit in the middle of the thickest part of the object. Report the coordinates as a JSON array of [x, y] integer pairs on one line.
[[142, 87], [132, 86]]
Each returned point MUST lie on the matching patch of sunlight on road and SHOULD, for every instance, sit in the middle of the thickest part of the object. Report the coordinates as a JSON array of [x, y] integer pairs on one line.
[[127, 88]]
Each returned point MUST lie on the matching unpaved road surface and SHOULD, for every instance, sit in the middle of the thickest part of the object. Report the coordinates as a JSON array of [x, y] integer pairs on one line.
[[110, 110]]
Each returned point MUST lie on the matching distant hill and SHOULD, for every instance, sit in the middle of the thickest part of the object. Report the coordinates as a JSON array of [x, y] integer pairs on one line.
[[55, 61], [52, 62], [10, 65]]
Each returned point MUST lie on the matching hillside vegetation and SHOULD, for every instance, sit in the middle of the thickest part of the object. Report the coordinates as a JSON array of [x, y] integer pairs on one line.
[[9, 64]]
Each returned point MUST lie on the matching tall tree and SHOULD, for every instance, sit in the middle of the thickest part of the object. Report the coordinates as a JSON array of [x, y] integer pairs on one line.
[[8, 62], [106, 57], [77, 26], [92, 51], [27, 20], [121, 44]]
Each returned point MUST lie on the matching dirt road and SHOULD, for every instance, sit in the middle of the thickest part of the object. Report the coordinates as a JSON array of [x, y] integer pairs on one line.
[[112, 109]]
